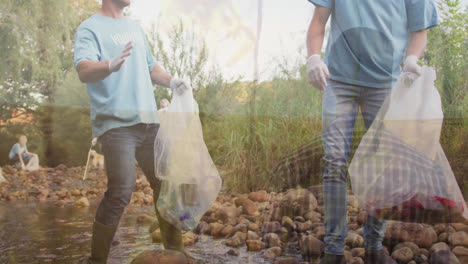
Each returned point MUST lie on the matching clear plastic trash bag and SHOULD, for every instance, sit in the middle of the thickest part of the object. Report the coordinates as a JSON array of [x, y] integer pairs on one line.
[[33, 163], [190, 181], [400, 170]]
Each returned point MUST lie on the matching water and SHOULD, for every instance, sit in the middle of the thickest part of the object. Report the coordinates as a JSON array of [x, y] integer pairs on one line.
[[44, 233]]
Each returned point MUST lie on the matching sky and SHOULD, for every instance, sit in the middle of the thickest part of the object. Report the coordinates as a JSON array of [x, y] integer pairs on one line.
[[229, 28]]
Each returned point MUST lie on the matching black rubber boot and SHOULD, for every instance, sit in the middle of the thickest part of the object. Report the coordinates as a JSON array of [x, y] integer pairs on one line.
[[378, 257], [333, 259], [171, 236], [101, 243]]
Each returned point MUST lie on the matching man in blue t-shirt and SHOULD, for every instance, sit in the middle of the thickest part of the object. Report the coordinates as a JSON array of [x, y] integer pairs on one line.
[[368, 42], [113, 58]]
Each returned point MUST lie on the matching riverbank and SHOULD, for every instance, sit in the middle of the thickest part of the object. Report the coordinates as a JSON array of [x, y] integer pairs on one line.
[[285, 227]]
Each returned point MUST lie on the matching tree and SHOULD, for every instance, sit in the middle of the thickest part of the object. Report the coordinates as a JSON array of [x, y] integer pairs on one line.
[[182, 54], [447, 53]]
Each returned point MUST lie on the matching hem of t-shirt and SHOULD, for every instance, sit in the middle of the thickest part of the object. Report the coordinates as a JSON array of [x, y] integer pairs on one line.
[[321, 3], [359, 83], [422, 27], [151, 67], [101, 132]]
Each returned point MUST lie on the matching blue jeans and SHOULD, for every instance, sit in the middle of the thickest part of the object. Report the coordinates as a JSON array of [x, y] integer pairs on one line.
[[340, 107], [121, 147], [24, 156]]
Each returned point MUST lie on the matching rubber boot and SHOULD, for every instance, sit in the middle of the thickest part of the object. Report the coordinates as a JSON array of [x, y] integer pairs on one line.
[[101, 243], [333, 259], [171, 236], [378, 257]]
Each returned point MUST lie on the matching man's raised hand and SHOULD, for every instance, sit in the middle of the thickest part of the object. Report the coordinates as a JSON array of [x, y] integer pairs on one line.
[[116, 63]]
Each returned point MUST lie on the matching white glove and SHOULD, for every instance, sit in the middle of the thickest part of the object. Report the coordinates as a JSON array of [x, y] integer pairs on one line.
[[411, 65], [179, 86], [116, 63], [316, 70]]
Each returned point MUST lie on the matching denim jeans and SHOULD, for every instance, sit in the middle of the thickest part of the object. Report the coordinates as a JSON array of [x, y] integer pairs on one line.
[[340, 107], [121, 147], [26, 157]]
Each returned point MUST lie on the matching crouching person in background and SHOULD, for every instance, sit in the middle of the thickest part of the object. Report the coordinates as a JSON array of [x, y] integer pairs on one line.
[[19, 153]]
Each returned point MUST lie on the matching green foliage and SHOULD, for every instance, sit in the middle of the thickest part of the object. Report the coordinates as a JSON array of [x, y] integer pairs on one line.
[[447, 53], [182, 54]]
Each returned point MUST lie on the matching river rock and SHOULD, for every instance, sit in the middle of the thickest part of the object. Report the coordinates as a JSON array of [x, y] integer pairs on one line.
[[255, 245], [303, 227], [460, 227], [239, 228], [461, 253], [160, 257], [226, 230], [288, 223], [253, 227], [235, 241], [459, 238], [189, 239], [233, 252], [422, 235], [443, 257], [271, 227], [82, 202], [356, 260], [409, 245], [252, 235], [311, 248], [313, 216], [272, 240], [249, 208], [403, 255], [287, 260], [259, 197], [216, 230], [354, 240], [297, 202], [272, 253], [439, 246], [443, 237], [226, 213], [358, 252]]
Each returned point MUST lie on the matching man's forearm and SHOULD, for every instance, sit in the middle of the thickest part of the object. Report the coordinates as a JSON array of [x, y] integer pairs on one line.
[[316, 32], [417, 43], [160, 77], [315, 37], [92, 71]]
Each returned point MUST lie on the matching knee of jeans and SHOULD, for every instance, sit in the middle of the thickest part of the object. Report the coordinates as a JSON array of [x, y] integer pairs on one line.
[[119, 196]]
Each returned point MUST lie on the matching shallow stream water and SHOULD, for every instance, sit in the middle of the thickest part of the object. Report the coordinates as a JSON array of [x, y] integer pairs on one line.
[[44, 233]]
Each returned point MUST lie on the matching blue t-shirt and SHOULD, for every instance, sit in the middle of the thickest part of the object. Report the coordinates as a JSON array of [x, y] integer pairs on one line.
[[17, 149], [125, 97], [368, 38]]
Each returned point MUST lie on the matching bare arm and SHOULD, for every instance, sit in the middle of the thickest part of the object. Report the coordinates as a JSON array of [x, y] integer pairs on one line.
[[21, 159], [160, 77], [93, 71], [316, 32], [417, 43]]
